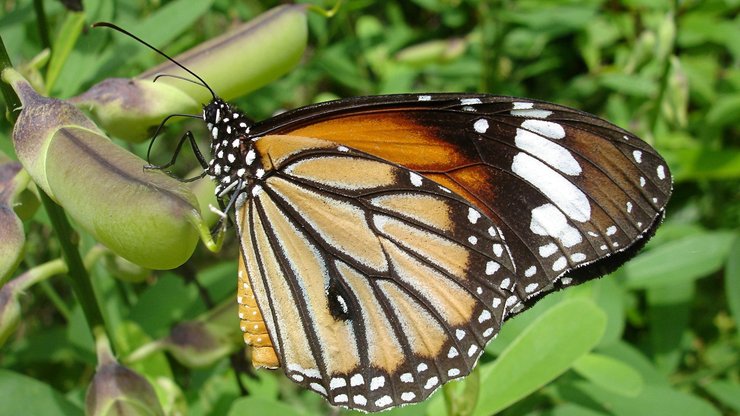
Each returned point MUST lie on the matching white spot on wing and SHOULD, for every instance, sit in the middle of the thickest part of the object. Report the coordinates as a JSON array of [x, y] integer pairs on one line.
[[547, 220], [559, 264], [545, 128], [356, 380], [637, 155], [433, 381], [551, 153], [492, 267], [425, 98], [377, 382], [530, 271], [481, 125], [470, 101], [484, 316], [531, 287], [577, 257], [661, 172], [318, 388], [548, 249], [416, 179], [571, 200], [473, 215], [472, 350]]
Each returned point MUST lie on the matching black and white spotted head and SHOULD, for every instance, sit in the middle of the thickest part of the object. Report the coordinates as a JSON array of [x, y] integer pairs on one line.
[[232, 155]]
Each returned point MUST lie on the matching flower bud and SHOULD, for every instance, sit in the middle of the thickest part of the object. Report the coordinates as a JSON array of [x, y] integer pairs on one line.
[[118, 391], [142, 215], [201, 342], [12, 237]]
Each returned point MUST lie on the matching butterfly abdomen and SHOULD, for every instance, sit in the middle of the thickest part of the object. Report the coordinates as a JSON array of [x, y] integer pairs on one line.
[[253, 325]]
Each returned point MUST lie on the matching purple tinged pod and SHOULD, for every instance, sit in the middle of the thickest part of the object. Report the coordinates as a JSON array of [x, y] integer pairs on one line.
[[10, 308], [118, 390], [131, 108], [12, 236], [142, 215], [200, 342]]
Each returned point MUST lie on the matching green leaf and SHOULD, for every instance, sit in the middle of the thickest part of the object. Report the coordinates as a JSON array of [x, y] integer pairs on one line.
[[732, 280], [611, 374], [726, 392], [634, 358], [546, 349], [21, 395], [634, 84], [669, 319], [654, 400], [63, 45], [703, 163], [686, 259], [253, 405]]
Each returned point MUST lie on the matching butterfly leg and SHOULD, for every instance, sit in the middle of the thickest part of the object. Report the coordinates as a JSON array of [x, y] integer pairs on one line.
[[198, 155]]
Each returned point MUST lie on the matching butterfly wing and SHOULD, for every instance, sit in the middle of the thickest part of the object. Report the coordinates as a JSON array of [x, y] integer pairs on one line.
[[570, 192], [376, 284]]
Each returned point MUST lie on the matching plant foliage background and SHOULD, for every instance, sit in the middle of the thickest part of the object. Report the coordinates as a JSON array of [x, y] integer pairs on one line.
[[668, 71]]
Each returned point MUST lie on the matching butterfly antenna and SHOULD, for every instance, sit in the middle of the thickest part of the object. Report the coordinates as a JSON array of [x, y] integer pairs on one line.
[[127, 33]]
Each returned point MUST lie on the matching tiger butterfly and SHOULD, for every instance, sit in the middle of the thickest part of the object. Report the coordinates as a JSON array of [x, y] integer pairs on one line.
[[385, 239]]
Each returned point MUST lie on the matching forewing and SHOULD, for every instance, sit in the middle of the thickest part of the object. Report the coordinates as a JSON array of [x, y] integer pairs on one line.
[[570, 192]]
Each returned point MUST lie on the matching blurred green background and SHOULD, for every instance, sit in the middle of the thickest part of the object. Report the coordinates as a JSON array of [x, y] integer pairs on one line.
[[667, 71]]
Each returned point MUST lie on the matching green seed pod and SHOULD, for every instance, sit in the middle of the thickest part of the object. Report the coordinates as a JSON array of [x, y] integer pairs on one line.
[[117, 390], [142, 215], [130, 109], [12, 237]]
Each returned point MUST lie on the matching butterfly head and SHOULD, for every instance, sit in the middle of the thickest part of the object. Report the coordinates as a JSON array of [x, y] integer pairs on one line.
[[233, 163]]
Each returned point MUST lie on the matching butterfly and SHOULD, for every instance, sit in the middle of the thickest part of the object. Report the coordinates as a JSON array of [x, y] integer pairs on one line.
[[385, 239]]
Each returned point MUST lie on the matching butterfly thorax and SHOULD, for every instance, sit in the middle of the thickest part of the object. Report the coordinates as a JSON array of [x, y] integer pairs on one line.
[[233, 165]]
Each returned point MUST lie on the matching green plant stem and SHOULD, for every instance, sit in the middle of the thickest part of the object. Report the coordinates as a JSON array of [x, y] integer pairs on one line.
[[11, 99], [56, 300], [663, 84], [42, 25], [78, 276]]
